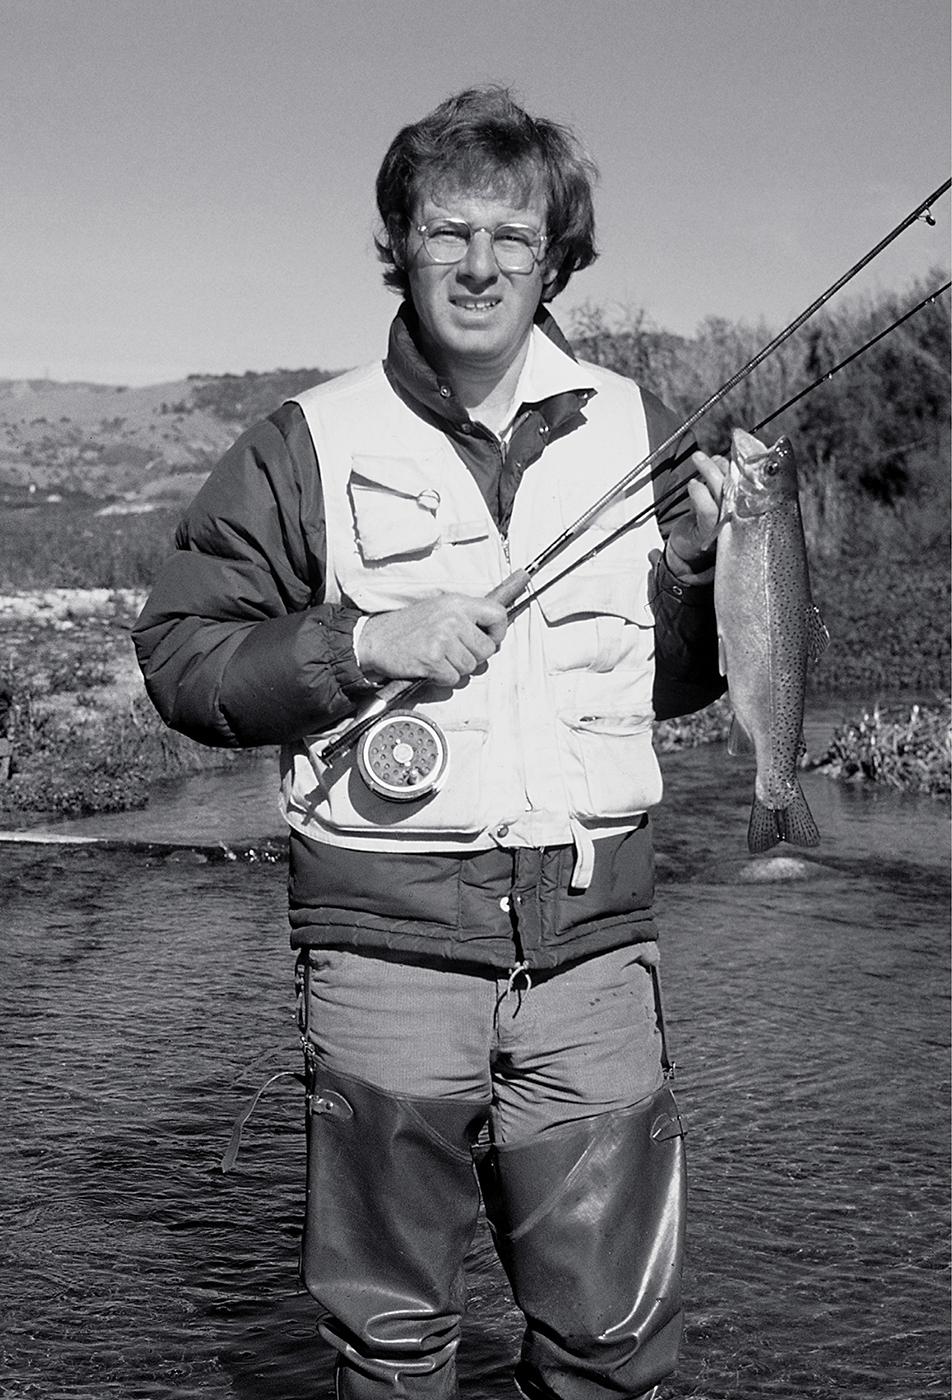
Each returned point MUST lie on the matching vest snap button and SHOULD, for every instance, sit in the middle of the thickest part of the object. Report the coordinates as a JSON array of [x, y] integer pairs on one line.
[[502, 831]]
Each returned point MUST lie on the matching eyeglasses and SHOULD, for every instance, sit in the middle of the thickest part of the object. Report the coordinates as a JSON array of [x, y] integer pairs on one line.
[[516, 247]]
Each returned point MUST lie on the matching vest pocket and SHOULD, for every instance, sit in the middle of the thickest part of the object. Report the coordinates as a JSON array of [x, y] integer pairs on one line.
[[609, 765], [395, 503], [592, 621]]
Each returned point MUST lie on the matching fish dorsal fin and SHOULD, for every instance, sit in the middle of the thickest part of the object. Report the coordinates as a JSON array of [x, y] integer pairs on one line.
[[819, 638]]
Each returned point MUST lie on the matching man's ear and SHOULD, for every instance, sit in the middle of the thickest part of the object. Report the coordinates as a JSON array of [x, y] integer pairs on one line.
[[549, 278]]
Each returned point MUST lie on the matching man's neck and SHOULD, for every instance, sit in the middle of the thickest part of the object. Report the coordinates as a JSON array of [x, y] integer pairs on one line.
[[486, 393]]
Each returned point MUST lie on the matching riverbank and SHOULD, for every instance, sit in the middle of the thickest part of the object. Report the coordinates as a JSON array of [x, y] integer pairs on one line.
[[86, 739]]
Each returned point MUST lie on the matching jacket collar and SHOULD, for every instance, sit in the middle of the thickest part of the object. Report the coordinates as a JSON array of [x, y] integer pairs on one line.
[[551, 373]]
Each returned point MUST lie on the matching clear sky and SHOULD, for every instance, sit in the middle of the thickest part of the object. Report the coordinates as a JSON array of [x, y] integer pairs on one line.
[[187, 185]]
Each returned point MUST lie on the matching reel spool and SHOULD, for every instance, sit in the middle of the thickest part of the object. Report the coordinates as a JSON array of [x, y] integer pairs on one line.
[[403, 756]]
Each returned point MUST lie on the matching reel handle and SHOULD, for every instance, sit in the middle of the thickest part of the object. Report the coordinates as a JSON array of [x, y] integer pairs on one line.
[[388, 695]]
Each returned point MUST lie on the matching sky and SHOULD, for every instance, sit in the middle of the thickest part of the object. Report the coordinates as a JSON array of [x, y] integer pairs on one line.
[[188, 184]]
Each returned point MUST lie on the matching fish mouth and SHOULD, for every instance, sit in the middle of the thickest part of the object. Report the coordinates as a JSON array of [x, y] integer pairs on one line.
[[747, 446]]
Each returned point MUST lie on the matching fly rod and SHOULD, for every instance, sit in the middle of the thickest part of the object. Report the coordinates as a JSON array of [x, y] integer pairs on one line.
[[516, 584], [677, 494]]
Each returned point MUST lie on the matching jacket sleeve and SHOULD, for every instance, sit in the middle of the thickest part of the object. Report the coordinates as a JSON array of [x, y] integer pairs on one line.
[[236, 644], [687, 674]]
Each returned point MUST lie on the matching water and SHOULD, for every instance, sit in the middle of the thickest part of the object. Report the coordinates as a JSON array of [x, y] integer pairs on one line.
[[147, 992]]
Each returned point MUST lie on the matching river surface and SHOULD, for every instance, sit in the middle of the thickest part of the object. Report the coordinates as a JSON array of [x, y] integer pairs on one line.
[[146, 992]]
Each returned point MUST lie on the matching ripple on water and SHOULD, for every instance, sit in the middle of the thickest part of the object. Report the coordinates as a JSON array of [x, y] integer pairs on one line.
[[145, 999]]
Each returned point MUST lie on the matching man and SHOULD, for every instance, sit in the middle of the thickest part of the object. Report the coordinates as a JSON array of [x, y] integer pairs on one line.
[[477, 957]]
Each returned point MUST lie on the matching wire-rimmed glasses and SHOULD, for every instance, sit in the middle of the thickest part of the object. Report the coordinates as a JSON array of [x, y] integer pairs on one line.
[[516, 247]]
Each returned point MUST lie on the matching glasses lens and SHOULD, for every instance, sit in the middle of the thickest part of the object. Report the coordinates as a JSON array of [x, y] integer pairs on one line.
[[516, 248], [447, 242]]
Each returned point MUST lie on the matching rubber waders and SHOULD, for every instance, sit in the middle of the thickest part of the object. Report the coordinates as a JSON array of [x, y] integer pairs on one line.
[[588, 1221], [391, 1209]]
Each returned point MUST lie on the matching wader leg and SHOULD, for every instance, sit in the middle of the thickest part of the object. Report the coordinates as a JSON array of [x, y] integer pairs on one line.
[[589, 1224], [391, 1209]]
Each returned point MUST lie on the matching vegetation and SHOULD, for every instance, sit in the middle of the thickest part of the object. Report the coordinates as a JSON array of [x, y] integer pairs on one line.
[[909, 749], [84, 741], [67, 545], [243, 398]]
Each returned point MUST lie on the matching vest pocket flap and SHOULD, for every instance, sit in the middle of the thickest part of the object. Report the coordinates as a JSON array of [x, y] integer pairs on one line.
[[405, 476], [586, 594], [395, 503]]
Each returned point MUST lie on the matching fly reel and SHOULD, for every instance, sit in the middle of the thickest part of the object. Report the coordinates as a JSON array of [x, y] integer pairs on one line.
[[402, 756]]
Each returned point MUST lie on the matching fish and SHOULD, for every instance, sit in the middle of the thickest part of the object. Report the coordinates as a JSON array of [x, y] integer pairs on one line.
[[769, 631]]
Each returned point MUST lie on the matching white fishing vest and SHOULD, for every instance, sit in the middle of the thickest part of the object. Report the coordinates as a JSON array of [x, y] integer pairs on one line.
[[551, 743]]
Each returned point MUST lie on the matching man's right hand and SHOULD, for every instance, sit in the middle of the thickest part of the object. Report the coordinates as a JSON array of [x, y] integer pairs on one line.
[[441, 639]]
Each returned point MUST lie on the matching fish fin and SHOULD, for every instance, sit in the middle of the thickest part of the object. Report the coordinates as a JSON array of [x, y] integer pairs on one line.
[[763, 830], [739, 741], [770, 825], [797, 824], [725, 506], [819, 638]]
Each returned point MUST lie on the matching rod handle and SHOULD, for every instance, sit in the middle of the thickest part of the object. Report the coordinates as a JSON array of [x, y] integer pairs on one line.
[[388, 695], [510, 589], [505, 593]]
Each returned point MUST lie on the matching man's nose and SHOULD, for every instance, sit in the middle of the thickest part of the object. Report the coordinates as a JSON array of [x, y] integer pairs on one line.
[[480, 263]]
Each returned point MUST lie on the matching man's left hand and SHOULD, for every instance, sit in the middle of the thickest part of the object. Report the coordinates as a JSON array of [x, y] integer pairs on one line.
[[691, 544]]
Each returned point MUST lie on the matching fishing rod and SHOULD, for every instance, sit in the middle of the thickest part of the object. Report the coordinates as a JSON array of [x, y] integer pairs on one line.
[[518, 582], [849, 359], [677, 494]]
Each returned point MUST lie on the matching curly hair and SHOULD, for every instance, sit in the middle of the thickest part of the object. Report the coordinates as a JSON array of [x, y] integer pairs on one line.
[[482, 140]]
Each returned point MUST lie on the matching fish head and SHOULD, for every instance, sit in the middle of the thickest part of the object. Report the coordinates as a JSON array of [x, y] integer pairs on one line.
[[760, 478]]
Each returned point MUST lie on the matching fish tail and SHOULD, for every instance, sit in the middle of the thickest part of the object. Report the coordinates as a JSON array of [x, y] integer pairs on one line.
[[771, 825]]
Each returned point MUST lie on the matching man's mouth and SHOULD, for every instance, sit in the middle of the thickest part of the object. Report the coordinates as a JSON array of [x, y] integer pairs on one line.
[[476, 303]]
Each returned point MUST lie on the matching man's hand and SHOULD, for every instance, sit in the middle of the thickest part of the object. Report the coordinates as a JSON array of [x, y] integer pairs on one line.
[[441, 639], [690, 546]]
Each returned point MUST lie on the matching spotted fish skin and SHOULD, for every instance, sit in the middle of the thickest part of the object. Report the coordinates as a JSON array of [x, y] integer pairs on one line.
[[768, 630]]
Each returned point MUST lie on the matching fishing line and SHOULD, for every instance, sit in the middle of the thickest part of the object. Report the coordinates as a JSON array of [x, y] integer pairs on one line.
[[517, 583]]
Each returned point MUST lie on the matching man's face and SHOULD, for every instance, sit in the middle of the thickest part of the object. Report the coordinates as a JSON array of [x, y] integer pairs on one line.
[[472, 315]]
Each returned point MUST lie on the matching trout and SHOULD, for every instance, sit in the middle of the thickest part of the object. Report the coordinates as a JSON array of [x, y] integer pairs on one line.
[[768, 631]]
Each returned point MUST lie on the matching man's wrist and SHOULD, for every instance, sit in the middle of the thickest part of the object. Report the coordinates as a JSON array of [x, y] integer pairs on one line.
[[370, 676], [694, 571]]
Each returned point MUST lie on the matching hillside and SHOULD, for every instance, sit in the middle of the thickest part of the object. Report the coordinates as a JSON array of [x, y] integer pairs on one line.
[[128, 450]]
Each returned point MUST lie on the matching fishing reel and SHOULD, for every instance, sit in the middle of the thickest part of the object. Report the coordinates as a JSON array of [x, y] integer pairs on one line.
[[402, 756]]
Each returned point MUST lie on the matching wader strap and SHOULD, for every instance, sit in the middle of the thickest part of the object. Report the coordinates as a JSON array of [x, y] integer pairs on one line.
[[667, 1064], [231, 1155]]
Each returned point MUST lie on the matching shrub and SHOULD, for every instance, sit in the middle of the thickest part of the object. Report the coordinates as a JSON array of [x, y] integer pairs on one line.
[[911, 751]]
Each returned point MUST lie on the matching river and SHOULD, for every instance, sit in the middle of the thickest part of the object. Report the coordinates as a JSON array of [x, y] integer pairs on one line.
[[146, 992]]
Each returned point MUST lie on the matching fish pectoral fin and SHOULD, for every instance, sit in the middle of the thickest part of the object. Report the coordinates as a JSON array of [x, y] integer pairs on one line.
[[739, 741], [818, 638], [770, 825]]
